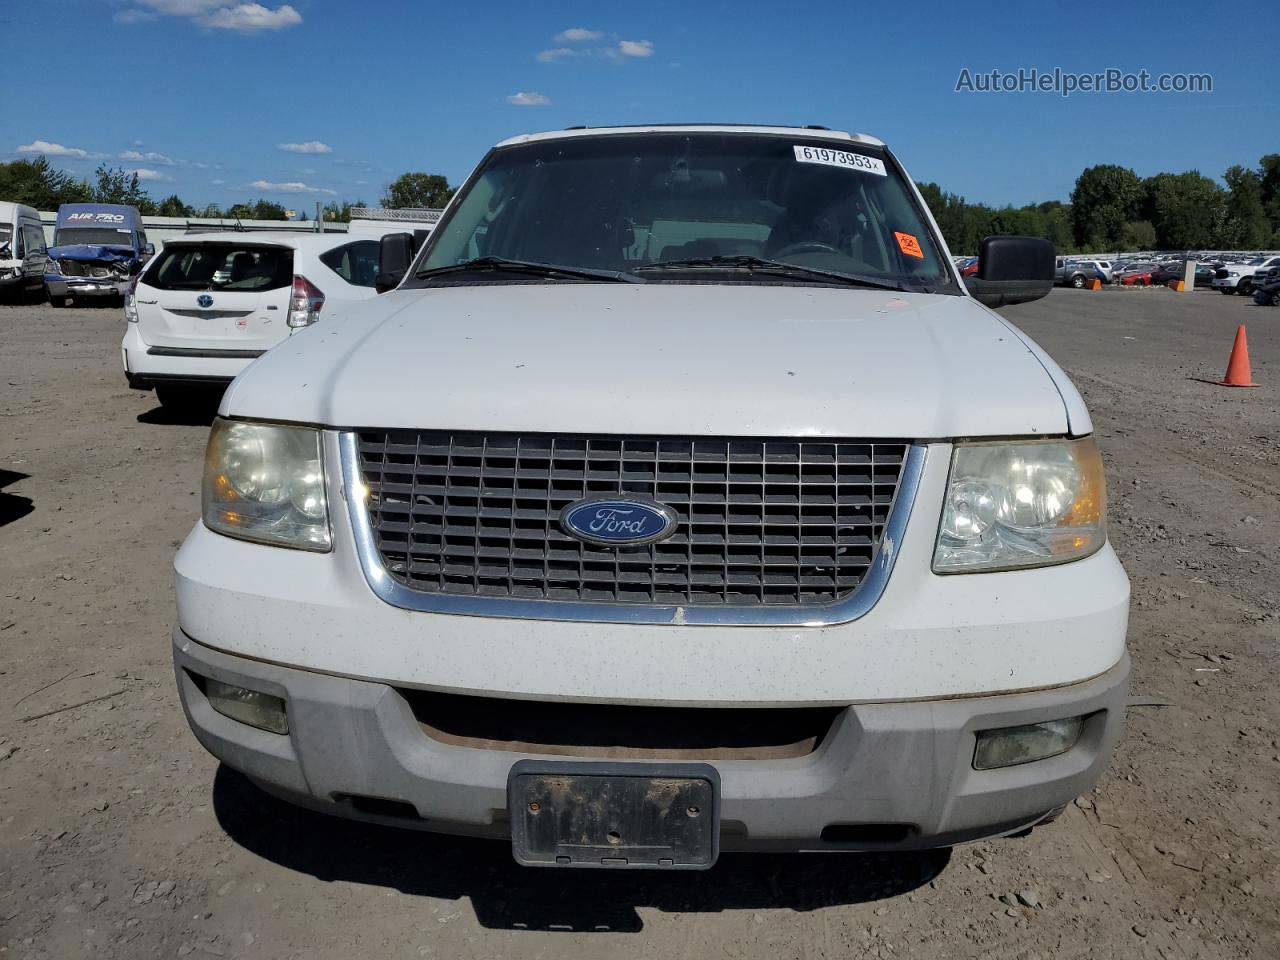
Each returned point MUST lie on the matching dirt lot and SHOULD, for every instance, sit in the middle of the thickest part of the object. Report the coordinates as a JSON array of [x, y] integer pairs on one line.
[[120, 837]]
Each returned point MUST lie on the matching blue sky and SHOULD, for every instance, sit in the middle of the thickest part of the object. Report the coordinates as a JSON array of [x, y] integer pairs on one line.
[[331, 99]]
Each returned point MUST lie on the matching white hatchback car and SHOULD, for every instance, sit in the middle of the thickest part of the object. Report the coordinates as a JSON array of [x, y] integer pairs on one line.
[[211, 303]]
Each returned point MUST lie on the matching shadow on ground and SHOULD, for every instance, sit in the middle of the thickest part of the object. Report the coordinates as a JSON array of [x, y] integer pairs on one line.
[[199, 412], [12, 506], [506, 896]]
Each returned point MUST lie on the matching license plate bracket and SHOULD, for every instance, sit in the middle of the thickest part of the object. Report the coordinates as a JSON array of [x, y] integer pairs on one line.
[[614, 815]]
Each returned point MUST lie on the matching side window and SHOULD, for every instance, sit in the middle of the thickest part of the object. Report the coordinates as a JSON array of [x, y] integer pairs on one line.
[[34, 239], [356, 263]]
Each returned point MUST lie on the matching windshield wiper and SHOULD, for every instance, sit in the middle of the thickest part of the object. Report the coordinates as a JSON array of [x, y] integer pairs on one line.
[[775, 267], [529, 268]]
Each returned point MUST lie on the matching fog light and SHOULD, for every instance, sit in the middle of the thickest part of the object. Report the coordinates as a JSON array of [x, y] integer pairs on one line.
[[259, 710], [1008, 746]]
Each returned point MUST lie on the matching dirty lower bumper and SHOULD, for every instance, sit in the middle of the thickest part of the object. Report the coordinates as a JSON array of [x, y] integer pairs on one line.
[[84, 287], [887, 776]]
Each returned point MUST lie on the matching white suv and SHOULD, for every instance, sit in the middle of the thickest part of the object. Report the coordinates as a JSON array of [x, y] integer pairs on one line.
[[681, 496], [211, 303]]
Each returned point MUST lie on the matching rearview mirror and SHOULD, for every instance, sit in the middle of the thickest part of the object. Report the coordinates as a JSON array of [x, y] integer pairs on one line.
[[1012, 270], [395, 251]]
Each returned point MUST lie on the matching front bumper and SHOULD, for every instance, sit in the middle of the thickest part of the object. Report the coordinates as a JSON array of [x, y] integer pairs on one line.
[[1225, 282], [84, 286], [887, 775]]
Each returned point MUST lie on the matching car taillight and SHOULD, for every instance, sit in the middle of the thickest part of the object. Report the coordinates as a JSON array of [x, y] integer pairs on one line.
[[305, 302], [131, 301]]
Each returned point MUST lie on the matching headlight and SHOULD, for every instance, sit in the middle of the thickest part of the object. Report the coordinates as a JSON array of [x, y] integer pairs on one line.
[[1021, 504], [265, 482]]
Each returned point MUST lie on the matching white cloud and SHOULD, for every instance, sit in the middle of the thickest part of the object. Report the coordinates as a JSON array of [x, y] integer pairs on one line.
[[310, 146], [54, 150], [293, 186], [616, 52], [143, 173], [149, 157], [559, 53], [252, 17], [528, 98], [635, 48], [215, 14], [577, 35]]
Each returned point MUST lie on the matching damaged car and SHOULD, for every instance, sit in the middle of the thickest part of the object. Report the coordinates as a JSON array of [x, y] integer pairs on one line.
[[98, 248]]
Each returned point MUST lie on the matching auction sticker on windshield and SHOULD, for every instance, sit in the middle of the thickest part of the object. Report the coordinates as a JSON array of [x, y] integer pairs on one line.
[[838, 158]]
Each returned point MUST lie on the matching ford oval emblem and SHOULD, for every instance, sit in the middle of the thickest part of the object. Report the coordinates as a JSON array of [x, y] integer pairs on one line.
[[618, 521], [204, 300]]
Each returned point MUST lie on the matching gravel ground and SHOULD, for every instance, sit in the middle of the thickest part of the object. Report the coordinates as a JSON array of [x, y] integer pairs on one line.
[[120, 837]]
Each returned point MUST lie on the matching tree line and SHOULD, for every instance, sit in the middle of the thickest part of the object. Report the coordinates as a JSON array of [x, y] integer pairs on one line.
[[39, 184], [1112, 208]]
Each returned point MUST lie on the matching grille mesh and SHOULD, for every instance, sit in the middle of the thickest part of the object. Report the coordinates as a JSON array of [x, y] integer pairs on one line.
[[762, 521]]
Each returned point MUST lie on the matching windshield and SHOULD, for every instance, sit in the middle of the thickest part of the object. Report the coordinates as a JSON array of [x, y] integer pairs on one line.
[[221, 266], [628, 202], [96, 236]]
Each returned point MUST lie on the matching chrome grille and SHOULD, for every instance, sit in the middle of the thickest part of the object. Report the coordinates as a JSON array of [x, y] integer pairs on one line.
[[762, 521]]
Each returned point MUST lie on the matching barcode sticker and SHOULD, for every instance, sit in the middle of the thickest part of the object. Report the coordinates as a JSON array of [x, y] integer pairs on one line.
[[839, 158]]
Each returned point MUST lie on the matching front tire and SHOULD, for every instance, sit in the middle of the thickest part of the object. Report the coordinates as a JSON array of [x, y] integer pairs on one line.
[[1244, 288], [1078, 282], [1225, 291]]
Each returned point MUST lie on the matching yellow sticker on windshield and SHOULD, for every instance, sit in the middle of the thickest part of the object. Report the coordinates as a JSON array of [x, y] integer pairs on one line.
[[909, 245]]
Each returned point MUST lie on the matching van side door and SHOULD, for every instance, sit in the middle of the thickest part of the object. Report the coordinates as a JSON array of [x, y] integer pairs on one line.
[[35, 254]]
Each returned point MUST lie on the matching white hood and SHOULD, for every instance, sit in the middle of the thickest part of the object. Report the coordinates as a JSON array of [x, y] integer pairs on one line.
[[705, 359]]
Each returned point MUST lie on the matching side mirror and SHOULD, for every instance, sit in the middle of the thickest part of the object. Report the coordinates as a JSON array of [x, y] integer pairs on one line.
[[148, 249], [395, 252], [1012, 270]]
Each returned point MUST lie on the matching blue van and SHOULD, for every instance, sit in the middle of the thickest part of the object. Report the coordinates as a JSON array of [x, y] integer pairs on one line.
[[98, 248]]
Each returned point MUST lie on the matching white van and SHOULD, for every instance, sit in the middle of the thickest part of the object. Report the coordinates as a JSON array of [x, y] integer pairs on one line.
[[23, 253], [211, 303]]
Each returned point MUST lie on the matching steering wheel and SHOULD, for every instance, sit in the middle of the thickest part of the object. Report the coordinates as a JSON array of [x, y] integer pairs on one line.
[[807, 246]]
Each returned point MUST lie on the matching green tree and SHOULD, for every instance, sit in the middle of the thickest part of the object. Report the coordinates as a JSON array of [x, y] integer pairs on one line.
[[117, 185], [1104, 199], [1137, 235], [260, 210], [418, 190], [1246, 221], [1186, 209], [172, 206], [1269, 178], [340, 212], [36, 183]]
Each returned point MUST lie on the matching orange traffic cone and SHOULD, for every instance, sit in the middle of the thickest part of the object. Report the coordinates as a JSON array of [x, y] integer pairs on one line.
[[1238, 372]]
